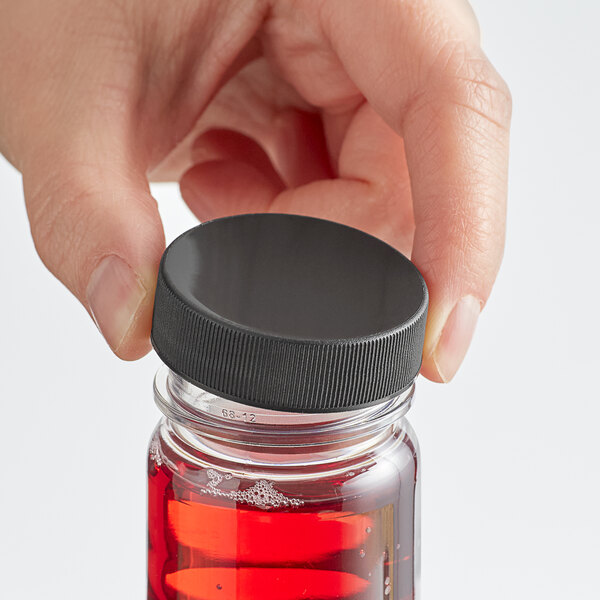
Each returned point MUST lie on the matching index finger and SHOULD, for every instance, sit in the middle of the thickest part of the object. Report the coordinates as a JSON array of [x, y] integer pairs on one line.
[[420, 67]]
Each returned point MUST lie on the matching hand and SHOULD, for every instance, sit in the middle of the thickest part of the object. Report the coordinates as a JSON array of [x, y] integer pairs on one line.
[[382, 115]]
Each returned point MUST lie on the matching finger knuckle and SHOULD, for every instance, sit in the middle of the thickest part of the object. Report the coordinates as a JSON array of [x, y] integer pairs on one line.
[[462, 239], [474, 84]]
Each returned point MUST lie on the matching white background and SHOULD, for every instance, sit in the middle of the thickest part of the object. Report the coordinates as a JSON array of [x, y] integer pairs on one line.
[[511, 463]]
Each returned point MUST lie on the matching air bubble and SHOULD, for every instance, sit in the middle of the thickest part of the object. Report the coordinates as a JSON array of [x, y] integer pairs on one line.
[[397, 546], [368, 529], [387, 590], [387, 581], [362, 553]]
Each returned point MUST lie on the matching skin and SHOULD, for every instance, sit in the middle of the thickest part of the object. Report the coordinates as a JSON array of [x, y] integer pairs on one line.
[[384, 115]]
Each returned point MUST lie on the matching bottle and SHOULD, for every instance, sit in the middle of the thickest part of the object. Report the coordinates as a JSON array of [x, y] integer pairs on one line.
[[283, 467]]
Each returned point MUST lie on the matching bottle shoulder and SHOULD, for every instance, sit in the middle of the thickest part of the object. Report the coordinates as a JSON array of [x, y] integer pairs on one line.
[[378, 471]]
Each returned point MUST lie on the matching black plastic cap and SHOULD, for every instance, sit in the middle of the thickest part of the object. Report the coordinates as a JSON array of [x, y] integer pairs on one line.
[[289, 313]]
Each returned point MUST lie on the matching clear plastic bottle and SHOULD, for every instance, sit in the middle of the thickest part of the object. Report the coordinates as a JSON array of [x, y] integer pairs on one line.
[[247, 499]]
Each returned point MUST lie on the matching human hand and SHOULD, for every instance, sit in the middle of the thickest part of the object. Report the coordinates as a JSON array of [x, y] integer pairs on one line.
[[382, 115]]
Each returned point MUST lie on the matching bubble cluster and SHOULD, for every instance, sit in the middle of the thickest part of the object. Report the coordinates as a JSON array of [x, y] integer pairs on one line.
[[261, 494], [155, 453]]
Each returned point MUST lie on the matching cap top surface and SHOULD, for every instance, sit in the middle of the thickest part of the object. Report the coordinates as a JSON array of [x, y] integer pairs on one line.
[[303, 279]]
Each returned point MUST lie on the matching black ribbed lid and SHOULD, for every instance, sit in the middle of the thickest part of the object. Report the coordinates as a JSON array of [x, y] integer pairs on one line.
[[289, 313]]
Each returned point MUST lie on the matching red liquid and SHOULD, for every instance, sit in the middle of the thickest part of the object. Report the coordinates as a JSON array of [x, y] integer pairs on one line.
[[349, 536]]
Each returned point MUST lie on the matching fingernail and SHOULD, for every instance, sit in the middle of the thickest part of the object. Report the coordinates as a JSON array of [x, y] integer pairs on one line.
[[114, 294], [456, 337]]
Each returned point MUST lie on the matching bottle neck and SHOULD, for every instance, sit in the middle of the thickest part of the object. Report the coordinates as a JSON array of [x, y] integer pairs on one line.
[[225, 421]]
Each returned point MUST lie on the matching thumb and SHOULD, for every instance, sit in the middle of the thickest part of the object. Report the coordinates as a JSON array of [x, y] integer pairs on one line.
[[97, 228]]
